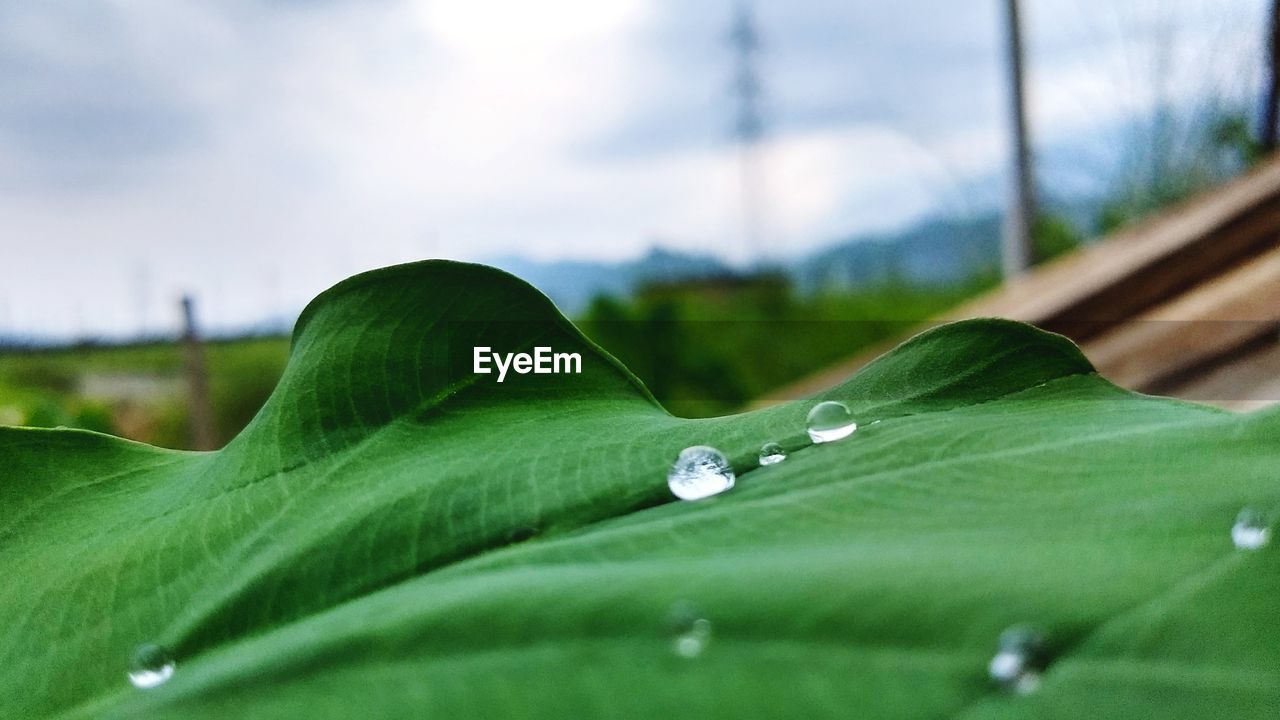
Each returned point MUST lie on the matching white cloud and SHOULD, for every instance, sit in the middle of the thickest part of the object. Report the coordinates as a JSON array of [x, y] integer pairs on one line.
[[255, 153]]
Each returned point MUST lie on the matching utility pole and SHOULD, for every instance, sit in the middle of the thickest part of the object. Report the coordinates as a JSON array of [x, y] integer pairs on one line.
[[1016, 247], [202, 435], [748, 125], [1267, 137]]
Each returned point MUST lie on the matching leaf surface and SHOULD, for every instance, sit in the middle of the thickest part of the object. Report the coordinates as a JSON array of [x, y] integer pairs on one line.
[[395, 536]]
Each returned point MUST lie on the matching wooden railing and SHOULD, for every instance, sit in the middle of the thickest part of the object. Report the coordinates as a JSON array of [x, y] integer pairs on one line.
[[1186, 303]]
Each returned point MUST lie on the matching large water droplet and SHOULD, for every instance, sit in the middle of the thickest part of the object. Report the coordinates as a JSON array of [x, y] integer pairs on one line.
[[830, 421], [1019, 660], [691, 633], [1251, 530], [700, 472], [152, 666], [771, 453]]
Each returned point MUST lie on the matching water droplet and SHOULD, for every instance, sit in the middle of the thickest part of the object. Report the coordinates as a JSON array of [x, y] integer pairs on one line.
[[152, 666], [1251, 530], [771, 453], [693, 641], [1019, 660], [700, 472], [691, 633], [830, 421]]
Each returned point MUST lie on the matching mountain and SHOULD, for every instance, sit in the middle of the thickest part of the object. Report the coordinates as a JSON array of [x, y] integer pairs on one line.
[[931, 252], [934, 251], [571, 284]]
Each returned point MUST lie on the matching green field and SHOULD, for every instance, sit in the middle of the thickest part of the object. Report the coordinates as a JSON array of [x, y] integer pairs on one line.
[[137, 391], [703, 349], [709, 350]]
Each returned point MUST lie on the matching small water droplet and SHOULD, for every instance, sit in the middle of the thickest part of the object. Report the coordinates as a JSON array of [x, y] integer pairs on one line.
[[830, 421], [1019, 660], [1251, 530], [693, 641], [691, 632], [700, 472], [771, 453], [152, 666]]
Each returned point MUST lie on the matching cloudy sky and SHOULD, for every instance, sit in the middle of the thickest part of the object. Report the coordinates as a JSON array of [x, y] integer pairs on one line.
[[255, 152]]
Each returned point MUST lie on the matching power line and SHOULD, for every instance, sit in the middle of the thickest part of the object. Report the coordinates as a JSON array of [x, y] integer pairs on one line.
[[748, 126]]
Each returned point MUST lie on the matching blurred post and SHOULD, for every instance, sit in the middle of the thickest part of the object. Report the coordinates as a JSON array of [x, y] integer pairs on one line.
[[1267, 137], [1016, 247], [201, 414]]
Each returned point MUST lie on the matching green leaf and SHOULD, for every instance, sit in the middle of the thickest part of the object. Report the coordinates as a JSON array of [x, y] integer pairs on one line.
[[395, 536]]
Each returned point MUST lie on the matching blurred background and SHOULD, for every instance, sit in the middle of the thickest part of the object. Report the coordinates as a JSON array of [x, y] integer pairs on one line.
[[739, 199]]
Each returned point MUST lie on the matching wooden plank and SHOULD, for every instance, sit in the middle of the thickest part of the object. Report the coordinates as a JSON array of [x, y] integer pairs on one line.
[[1245, 382], [1209, 321], [1084, 294]]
